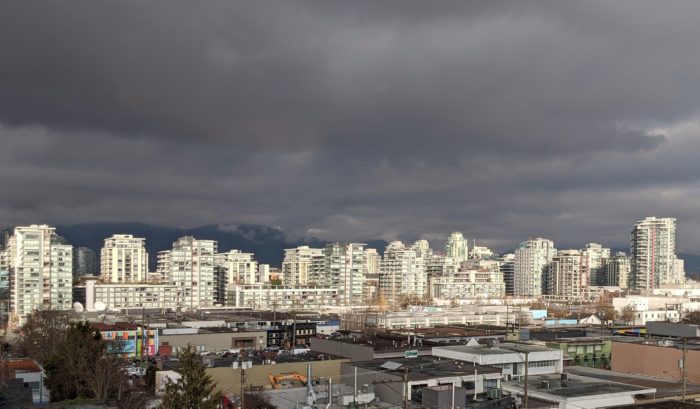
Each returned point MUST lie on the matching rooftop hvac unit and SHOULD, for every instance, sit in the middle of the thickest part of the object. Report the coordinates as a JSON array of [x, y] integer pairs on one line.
[[564, 376], [493, 393], [544, 385]]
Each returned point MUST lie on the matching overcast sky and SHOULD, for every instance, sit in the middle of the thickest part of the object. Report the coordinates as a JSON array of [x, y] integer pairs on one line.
[[355, 120]]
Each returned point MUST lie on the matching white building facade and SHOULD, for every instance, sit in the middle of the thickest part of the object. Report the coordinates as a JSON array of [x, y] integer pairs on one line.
[[270, 297], [653, 254], [41, 271], [299, 264], [124, 259], [567, 275], [468, 284], [131, 295], [345, 268], [593, 263], [617, 270], [457, 247], [532, 259], [402, 273], [239, 267], [190, 266]]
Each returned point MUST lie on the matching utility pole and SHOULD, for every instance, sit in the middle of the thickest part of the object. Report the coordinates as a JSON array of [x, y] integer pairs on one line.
[[148, 325], [294, 331], [507, 316], [406, 390], [243, 379], [685, 367], [143, 326], [527, 363]]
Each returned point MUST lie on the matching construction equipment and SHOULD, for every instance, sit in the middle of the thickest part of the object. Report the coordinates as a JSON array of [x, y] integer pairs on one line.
[[278, 381]]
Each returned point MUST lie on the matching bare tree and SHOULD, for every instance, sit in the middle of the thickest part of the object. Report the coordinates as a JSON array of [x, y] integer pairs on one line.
[[82, 367], [627, 314], [42, 334]]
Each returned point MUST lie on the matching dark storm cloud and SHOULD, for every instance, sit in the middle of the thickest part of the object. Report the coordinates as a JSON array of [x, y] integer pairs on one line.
[[353, 120]]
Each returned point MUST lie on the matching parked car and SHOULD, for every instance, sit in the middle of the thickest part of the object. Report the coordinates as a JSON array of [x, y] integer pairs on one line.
[[135, 371]]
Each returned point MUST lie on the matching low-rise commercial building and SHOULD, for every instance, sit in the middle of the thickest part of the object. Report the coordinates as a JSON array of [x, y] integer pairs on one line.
[[567, 391], [642, 317], [425, 317], [291, 335], [585, 351], [211, 339], [510, 357], [390, 380], [228, 379], [130, 339]]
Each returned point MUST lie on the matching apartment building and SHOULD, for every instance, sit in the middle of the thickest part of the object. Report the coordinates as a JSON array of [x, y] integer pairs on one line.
[[593, 263], [299, 265], [271, 297], [239, 267], [345, 268], [532, 259], [653, 254], [123, 296], [190, 266], [84, 262], [402, 273], [468, 284], [617, 270], [124, 259], [567, 275], [457, 247], [41, 270]]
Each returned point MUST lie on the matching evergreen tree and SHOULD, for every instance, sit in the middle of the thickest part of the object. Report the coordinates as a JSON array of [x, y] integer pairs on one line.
[[194, 388]]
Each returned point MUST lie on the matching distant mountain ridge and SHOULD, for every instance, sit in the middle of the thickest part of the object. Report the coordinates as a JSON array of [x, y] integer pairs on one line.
[[268, 243]]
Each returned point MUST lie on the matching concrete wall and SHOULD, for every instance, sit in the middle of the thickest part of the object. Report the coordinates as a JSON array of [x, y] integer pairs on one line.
[[344, 349], [228, 380], [652, 360], [214, 342]]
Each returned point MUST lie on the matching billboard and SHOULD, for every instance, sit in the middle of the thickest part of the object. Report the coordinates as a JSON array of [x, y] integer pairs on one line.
[[129, 343]]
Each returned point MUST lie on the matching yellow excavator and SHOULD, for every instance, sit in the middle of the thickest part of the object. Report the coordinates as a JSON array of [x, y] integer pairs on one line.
[[285, 380]]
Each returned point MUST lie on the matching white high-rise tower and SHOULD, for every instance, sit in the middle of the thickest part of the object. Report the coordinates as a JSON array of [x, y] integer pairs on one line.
[[457, 247], [190, 265], [41, 270], [532, 259], [124, 259], [653, 254]]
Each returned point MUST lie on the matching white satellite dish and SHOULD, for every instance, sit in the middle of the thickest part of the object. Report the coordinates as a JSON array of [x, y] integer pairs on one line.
[[78, 307], [100, 306]]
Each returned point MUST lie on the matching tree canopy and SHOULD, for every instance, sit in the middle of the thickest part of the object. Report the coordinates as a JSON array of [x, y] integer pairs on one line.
[[81, 367]]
